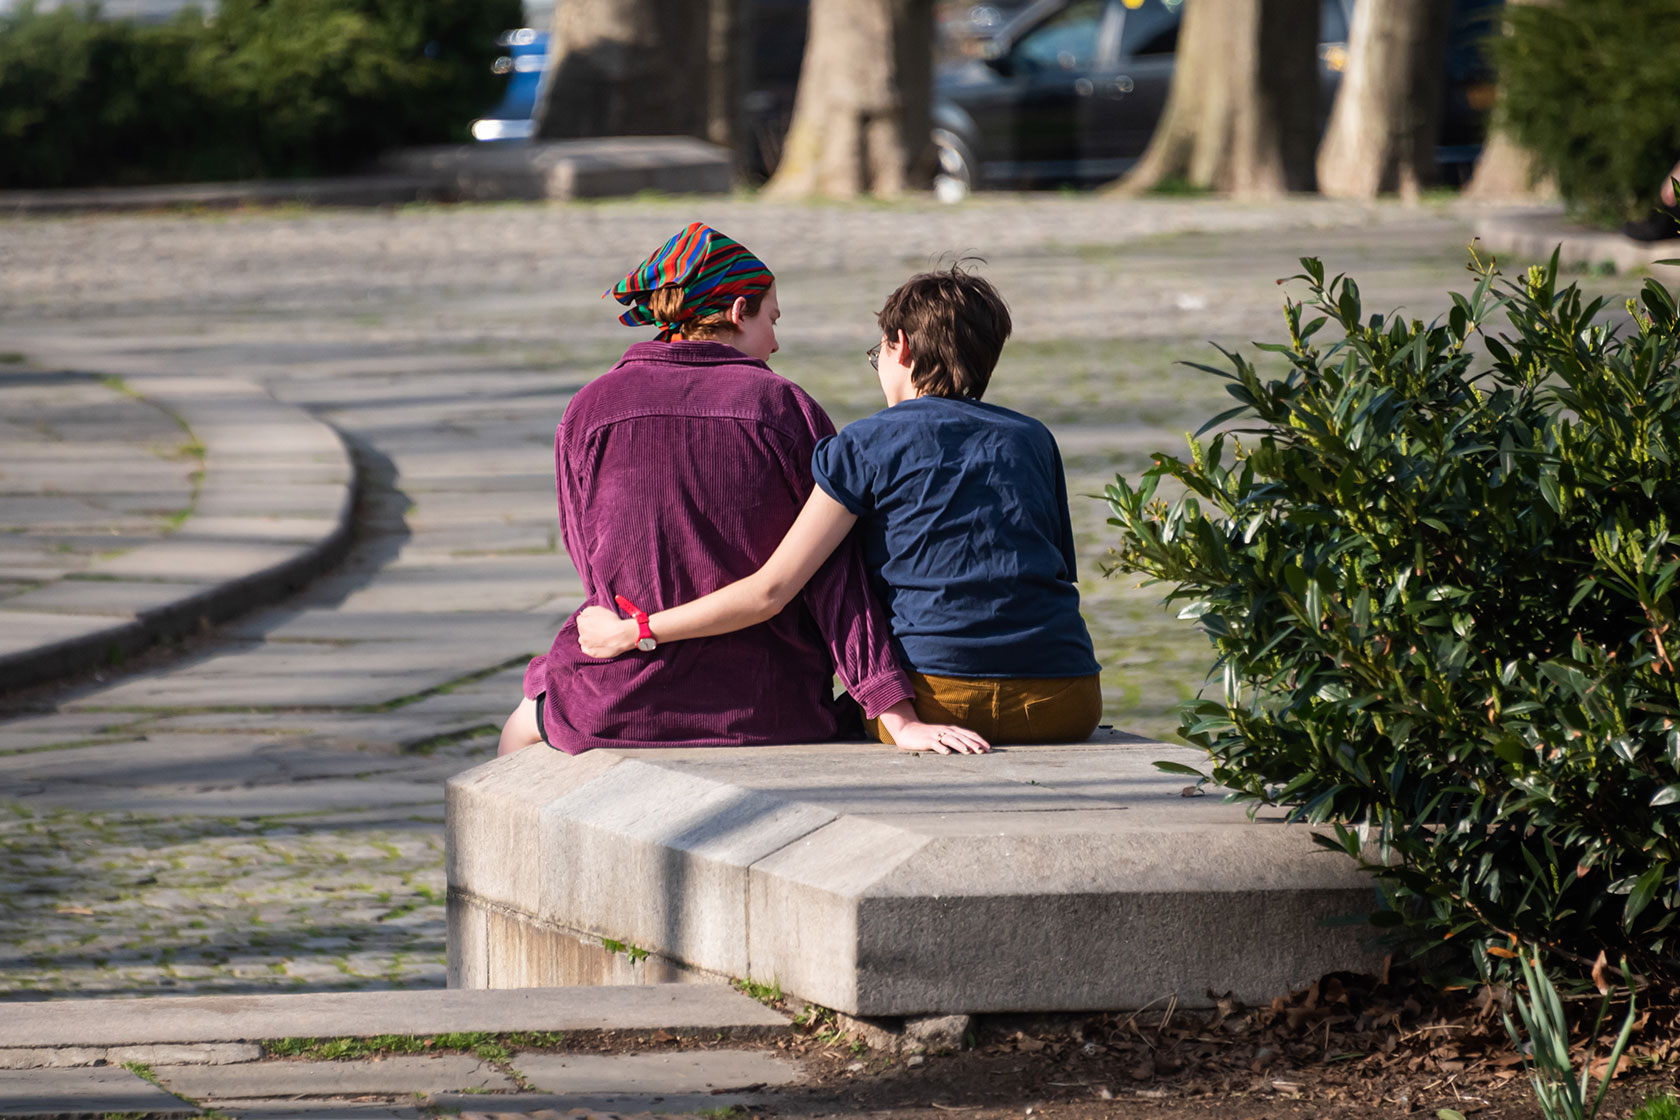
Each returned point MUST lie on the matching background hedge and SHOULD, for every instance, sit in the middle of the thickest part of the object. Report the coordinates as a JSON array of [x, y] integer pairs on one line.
[[1590, 87], [265, 88]]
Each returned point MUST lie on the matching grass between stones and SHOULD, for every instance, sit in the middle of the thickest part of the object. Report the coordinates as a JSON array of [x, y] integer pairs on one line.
[[122, 903], [487, 1046]]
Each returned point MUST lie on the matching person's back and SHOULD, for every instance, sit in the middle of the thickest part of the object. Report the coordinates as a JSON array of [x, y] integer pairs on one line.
[[678, 472], [966, 536]]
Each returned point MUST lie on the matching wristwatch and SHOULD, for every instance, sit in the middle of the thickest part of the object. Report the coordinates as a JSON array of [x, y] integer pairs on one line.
[[645, 640]]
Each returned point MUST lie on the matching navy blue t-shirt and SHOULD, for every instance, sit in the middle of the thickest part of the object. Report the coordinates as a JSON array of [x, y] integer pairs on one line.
[[964, 514]]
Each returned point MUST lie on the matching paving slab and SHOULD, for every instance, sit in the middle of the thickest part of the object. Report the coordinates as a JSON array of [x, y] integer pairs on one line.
[[182, 1019], [668, 1073], [880, 883], [396, 1075], [85, 1092], [326, 1109]]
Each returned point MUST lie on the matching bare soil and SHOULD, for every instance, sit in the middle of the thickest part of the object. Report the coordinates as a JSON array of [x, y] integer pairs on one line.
[[1348, 1046]]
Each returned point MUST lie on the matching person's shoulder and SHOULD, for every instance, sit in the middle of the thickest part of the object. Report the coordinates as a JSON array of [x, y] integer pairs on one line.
[[1028, 427]]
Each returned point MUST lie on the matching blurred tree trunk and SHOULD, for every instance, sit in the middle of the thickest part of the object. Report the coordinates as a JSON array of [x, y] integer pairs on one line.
[[643, 68], [1383, 128], [1505, 169], [1242, 114], [862, 118]]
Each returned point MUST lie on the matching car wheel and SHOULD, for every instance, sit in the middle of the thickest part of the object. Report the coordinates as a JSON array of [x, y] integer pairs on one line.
[[955, 172]]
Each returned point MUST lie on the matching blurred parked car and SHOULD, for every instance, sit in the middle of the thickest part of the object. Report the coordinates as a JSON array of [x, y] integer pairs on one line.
[[510, 118], [777, 46], [1069, 91]]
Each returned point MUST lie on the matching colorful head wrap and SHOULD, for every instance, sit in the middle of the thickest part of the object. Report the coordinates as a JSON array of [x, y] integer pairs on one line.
[[711, 269]]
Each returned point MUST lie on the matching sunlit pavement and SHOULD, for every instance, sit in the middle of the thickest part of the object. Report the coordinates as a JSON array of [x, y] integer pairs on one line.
[[263, 811]]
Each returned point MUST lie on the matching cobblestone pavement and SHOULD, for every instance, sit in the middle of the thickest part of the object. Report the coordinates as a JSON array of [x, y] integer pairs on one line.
[[263, 810]]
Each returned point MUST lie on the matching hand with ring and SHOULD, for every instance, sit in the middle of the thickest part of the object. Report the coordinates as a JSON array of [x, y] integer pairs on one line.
[[940, 738]]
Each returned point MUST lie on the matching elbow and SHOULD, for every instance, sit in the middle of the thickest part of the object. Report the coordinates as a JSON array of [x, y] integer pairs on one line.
[[768, 601]]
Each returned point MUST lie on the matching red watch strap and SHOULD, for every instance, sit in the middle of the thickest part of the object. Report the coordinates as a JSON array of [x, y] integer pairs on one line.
[[643, 630]]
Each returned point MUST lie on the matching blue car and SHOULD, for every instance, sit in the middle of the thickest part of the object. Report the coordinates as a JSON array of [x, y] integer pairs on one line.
[[510, 119]]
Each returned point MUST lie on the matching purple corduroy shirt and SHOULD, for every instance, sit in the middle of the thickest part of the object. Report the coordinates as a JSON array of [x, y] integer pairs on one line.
[[678, 471]]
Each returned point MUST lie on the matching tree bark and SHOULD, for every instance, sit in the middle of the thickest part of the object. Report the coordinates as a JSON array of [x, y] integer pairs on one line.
[[1242, 114], [1384, 124], [1505, 169], [862, 117], [643, 68]]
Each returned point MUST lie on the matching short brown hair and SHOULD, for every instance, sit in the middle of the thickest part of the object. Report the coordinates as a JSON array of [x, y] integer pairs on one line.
[[955, 325], [667, 303]]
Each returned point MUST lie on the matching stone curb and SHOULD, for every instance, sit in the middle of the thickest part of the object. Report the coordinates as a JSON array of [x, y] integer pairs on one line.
[[559, 169], [223, 1029], [1531, 234], [274, 511]]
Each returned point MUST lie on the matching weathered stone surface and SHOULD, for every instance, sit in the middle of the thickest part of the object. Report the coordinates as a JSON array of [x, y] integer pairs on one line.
[[84, 1092], [397, 1075], [571, 168], [679, 1072], [199, 1019], [880, 883], [50, 1057], [198, 1054]]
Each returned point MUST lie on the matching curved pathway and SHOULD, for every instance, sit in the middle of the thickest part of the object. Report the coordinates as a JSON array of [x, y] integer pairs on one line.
[[262, 811]]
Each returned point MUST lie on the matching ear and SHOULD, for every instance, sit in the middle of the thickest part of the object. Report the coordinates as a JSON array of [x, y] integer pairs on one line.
[[738, 311], [902, 345]]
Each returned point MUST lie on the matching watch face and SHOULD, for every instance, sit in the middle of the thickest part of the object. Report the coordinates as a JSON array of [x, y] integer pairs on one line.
[[646, 644]]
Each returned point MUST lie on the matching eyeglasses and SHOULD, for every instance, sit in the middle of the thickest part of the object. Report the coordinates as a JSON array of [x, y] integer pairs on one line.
[[874, 353]]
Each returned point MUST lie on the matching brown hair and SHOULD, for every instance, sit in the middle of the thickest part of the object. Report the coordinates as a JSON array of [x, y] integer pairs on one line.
[[954, 324], [666, 303]]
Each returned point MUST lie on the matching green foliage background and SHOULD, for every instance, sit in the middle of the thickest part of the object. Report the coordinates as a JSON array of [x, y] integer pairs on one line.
[[1590, 88], [1438, 566], [266, 88]]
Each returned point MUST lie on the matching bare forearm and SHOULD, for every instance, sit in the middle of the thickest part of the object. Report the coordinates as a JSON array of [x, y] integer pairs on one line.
[[820, 526]]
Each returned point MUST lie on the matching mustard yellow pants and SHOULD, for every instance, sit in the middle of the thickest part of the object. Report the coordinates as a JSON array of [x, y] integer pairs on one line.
[[1008, 709]]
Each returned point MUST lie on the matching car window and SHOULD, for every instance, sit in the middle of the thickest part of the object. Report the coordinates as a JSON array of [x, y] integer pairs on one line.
[[1066, 41], [1151, 28]]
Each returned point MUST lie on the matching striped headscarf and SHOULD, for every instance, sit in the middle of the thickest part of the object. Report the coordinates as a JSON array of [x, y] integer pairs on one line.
[[711, 269]]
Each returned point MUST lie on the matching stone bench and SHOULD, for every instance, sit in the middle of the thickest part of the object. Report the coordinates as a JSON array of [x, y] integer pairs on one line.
[[881, 883]]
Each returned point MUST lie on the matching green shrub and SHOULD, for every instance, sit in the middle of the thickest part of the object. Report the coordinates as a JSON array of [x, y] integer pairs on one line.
[[1438, 568], [1589, 87], [1659, 1108], [269, 87]]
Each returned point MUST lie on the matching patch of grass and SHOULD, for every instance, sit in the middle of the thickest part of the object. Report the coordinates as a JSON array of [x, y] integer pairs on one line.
[[447, 687], [635, 954], [424, 896], [731, 1113], [12, 358], [118, 385], [1176, 186], [770, 993], [432, 744], [143, 1071], [483, 1044], [1664, 1107]]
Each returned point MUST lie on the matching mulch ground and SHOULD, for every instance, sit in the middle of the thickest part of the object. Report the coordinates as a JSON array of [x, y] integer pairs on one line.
[[1347, 1046]]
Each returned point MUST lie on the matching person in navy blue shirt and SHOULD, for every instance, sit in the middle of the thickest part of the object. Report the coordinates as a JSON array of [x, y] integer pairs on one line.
[[964, 520]]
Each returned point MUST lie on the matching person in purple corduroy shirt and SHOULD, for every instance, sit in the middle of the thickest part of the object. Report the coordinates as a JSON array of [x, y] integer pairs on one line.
[[678, 471]]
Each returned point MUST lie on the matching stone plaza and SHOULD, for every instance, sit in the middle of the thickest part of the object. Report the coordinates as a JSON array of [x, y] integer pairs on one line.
[[257, 806]]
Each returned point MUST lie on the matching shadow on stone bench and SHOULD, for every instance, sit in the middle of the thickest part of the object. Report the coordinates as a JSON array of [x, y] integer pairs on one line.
[[880, 883]]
